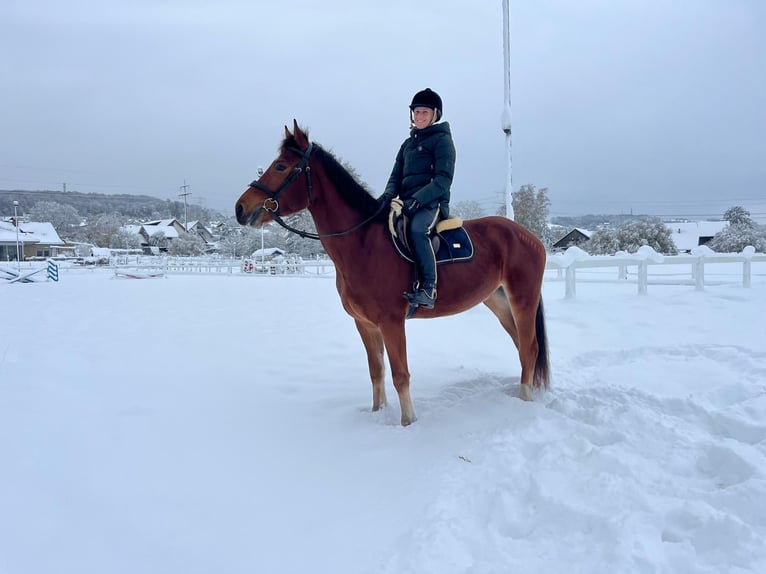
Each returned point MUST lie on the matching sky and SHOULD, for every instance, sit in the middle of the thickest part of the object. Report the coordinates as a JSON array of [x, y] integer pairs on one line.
[[222, 424], [617, 106]]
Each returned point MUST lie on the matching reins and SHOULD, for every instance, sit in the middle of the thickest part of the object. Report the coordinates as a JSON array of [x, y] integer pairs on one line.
[[274, 195]]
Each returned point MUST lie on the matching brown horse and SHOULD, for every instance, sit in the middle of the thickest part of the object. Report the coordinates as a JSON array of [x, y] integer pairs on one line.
[[505, 274]]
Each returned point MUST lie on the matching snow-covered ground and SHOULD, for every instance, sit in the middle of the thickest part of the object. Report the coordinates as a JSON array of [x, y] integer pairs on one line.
[[202, 424]]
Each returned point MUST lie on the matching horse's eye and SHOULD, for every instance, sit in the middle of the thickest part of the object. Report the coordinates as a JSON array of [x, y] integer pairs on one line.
[[281, 167]]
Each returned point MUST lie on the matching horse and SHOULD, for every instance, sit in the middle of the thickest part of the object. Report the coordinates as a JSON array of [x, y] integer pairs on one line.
[[505, 274]]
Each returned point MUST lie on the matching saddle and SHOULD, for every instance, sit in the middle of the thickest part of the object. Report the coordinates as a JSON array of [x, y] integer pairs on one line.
[[449, 239]]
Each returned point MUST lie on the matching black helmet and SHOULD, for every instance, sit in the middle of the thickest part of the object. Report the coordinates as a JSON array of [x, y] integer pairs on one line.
[[428, 99]]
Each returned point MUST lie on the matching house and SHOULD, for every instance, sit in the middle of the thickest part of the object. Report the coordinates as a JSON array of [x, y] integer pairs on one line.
[[267, 254], [690, 234], [35, 239], [200, 230], [211, 245], [171, 228], [574, 237]]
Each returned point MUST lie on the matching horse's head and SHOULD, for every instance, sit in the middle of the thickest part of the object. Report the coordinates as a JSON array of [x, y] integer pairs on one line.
[[280, 190]]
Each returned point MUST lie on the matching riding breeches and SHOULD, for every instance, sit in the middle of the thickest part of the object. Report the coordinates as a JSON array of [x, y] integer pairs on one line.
[[421, 223]]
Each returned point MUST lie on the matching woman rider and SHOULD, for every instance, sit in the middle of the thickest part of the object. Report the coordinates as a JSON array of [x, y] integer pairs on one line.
[[421, 178]]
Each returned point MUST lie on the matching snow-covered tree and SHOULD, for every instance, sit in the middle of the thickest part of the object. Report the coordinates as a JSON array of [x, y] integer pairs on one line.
[[101, 228], [738, 216], [62, 217], [158, 239], [187, 244], [740, 233], [602, 242], [630, 236], [237, 241], [468, 209], [294, 243], [124, 240], [530, 209]]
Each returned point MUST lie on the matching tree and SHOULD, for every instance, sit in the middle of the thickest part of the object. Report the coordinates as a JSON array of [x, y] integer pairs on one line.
[[738, 216], [100, 229], [158, 239], [740, 233], [187, 244], [294, 243], [62, 217], [125, 240], [238, 241], [530, 208], [630, 236], [468, 209]]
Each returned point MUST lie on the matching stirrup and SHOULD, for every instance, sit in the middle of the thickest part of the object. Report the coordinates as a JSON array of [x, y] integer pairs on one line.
[[422, 298]]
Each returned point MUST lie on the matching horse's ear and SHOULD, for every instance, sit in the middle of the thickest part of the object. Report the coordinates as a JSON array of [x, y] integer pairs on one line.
[[300, 136], [287, 133]]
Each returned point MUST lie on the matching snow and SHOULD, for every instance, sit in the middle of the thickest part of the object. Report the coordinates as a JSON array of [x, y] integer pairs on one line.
[[238, 437]]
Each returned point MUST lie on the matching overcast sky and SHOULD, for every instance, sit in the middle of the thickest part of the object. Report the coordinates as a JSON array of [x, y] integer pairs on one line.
[[651, 106]]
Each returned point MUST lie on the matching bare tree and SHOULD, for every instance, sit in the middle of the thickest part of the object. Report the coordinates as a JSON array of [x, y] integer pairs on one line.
[[62, 217]]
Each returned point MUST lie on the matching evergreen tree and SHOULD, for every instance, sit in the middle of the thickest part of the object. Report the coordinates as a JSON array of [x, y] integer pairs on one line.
[[738, 216], [740, 233]]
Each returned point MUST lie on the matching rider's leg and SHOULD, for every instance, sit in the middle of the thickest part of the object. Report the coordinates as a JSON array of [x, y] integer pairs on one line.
[[421, 223]]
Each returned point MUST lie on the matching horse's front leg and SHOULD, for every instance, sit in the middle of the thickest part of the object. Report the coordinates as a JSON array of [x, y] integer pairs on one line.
[[396, 347], [373, 344]]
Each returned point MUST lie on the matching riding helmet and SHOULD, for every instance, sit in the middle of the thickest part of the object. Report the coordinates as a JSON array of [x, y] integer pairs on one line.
[[428, 99]]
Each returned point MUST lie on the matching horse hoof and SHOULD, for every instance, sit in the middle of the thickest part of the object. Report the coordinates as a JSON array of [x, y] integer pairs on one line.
[[525, 392], [407, 422]]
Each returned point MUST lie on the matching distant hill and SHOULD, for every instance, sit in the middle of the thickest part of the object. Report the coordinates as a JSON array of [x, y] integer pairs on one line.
[[140, 207]]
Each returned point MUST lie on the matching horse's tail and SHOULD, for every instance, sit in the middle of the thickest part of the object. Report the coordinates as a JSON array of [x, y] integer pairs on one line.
[[542, 374]]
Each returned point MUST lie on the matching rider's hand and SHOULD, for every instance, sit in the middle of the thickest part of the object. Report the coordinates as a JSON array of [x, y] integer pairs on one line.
[[410, 206]]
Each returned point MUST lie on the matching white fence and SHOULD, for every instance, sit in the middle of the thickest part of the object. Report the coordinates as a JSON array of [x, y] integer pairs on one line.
[[647, 267], [701, 268], [147, 265]]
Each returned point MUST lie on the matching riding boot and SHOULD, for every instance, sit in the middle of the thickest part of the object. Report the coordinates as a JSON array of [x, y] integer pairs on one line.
[[425, 296]]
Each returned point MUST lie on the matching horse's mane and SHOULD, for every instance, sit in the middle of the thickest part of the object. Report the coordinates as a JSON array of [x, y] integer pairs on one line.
[[353, 192]]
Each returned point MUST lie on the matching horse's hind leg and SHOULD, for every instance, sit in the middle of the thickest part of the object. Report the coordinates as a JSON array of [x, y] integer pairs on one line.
[[498, 303], [518, 326], [373, 345]]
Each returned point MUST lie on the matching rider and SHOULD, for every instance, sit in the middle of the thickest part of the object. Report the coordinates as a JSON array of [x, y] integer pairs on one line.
[[421, 178]]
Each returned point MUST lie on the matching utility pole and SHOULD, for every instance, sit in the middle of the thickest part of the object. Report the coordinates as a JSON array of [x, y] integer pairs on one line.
[[507, 107], [16, 221], [185, 193]]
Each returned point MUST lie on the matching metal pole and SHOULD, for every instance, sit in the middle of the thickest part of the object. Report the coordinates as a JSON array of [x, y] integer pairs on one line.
[[259, 172], [507, 107], [185, 193], [16, 220]]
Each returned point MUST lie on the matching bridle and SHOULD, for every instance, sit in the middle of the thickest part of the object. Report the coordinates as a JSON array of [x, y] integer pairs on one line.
[[271, 204]]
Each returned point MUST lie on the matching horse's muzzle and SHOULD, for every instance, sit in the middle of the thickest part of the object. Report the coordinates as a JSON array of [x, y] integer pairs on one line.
[[247, 219]]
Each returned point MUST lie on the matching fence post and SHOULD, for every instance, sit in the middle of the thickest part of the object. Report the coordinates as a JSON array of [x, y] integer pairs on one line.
[[622, 272], [570, 281], [746, 272], [643, 277], [699, 274]]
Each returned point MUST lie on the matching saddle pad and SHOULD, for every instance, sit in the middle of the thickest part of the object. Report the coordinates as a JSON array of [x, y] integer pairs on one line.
[[450, 240]]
